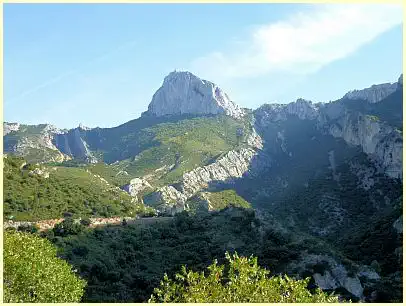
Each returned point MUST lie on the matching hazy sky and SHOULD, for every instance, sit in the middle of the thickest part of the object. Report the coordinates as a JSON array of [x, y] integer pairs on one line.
[[100, 64]]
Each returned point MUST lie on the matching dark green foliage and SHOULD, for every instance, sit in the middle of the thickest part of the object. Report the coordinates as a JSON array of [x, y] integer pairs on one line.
[[68, 227], [28, 228], [124, 264], [376, 243], [85, 221]]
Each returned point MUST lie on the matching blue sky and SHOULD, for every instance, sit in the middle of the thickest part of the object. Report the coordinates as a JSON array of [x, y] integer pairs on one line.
[[100, 64]]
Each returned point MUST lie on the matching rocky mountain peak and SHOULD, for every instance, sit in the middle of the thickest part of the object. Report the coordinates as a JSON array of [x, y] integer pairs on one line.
[[184, 93]]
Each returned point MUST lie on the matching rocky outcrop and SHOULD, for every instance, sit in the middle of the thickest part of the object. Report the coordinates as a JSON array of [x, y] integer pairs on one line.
[[35, 140], [368, 273], [72, 143], [384, 143], [303, 109], [233, 165], [10, 127], [375, 93], [136, 185], [185, 93], [39, 172], [400, 81], [377, 139], [166, 200], [335, 275]]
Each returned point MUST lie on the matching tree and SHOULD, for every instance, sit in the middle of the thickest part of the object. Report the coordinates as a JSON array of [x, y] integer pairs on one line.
[[242, 281], [68, 227], [33, 272]]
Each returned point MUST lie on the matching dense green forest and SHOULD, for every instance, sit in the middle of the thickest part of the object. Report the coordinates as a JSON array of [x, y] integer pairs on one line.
[[125, 263]]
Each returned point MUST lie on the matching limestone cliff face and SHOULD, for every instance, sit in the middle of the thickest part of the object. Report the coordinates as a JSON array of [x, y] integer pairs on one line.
[[136, 185], [378, 139], [72, 143], [375, 93], [233, 165], [185, 93], [167, 200], [303, 109], [336, 275]]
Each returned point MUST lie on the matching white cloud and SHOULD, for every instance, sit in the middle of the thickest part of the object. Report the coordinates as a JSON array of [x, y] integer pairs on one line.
[[303, 43]]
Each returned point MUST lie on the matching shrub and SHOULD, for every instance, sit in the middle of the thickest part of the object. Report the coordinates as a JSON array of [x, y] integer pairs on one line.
[[243, 282], [29, 228], [85, 221], [68, 227], [33, 272]]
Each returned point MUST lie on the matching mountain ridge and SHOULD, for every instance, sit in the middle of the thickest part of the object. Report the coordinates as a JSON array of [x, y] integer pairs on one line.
[[318, 172]]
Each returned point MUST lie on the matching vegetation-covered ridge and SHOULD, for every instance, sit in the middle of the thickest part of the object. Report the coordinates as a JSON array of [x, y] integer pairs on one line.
[[35, 192]]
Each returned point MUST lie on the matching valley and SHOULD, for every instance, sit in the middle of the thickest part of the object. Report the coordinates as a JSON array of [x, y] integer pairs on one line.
[[311, 189]]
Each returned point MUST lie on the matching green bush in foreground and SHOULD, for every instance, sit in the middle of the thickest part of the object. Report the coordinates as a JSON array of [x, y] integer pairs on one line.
[[33, 272], [242, 282]]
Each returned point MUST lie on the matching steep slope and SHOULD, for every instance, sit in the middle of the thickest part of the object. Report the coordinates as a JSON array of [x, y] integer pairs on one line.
[[335, 170], [185, 93], [324, 158]]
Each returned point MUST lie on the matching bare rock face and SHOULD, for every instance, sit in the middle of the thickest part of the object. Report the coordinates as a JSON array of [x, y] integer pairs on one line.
[[135, 186], [233, 165], [185, 93], [72, 143], [167, 200], [335, 274], [10, 127], [31, 138], [381, 141], [377, 139], [373, 94], [303, 109]]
